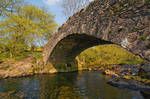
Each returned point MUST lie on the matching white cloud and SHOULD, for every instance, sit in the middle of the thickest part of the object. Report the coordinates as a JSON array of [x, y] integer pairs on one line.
[[50, 2]]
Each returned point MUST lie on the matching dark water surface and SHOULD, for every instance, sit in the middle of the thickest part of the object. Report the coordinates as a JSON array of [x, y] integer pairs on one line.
[[75, 85]]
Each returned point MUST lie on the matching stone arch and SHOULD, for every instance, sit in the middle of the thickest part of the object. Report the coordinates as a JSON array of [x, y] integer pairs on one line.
[[103, 21], [69, 47]]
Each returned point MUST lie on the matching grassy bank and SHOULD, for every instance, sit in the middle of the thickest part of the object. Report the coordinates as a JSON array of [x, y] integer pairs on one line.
[[103, 54], [95, 57], [36, 54], [107, 54]]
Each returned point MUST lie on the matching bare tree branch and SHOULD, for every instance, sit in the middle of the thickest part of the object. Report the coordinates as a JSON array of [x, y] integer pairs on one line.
[[72, 6]]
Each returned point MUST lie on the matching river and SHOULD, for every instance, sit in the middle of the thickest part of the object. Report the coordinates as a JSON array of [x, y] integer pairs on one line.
[[73, 85]]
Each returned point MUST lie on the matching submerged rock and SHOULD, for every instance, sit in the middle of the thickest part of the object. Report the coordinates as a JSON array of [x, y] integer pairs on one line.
[[129, 84]]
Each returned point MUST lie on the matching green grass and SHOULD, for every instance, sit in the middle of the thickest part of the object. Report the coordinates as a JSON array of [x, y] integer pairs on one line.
[[35, 54], [108, 54], [3, 57]]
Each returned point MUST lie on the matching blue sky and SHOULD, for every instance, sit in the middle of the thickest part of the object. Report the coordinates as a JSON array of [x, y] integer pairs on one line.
[[54, 7]]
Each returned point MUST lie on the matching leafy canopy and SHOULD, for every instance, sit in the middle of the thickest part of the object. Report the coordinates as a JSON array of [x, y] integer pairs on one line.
[[29, 26]]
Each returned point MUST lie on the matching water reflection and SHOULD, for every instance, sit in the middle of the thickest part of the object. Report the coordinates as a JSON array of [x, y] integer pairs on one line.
[[75, 85]]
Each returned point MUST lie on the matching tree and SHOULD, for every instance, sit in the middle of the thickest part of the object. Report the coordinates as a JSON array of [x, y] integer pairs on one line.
[[25, 28], [5, 5], [72, 6], [43, 20], [10, 6]]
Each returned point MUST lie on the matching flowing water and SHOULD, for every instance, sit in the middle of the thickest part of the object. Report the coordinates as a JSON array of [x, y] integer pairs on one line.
[[74, 85]]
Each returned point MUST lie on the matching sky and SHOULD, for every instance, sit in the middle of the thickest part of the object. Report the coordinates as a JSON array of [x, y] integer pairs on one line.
[[54, 7]]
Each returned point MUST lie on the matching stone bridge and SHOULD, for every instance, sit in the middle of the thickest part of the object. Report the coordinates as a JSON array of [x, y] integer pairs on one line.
[[122, 22]]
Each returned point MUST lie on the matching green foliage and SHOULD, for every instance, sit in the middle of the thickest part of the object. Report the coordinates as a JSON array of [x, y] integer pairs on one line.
[[28, 27], [144, 37], [9, 6], [108, 54], [5, 5], [147, 1]]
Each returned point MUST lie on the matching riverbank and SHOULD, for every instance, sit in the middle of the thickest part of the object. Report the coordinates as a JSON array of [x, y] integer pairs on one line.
[[71, 85], [29, 66], [122, 76], [96, 57], [100, 58]]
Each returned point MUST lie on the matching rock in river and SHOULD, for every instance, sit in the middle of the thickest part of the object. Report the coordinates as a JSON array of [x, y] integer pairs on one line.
[[129, 84]]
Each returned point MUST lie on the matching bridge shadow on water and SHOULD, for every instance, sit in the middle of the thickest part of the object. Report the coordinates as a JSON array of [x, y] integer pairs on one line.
[[64, 53]]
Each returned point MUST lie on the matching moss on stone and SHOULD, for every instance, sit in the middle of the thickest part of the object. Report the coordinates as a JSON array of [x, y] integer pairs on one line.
[[144, 37]]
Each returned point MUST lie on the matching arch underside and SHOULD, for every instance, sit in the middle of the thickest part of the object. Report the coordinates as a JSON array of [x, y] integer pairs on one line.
[[68, 48]]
